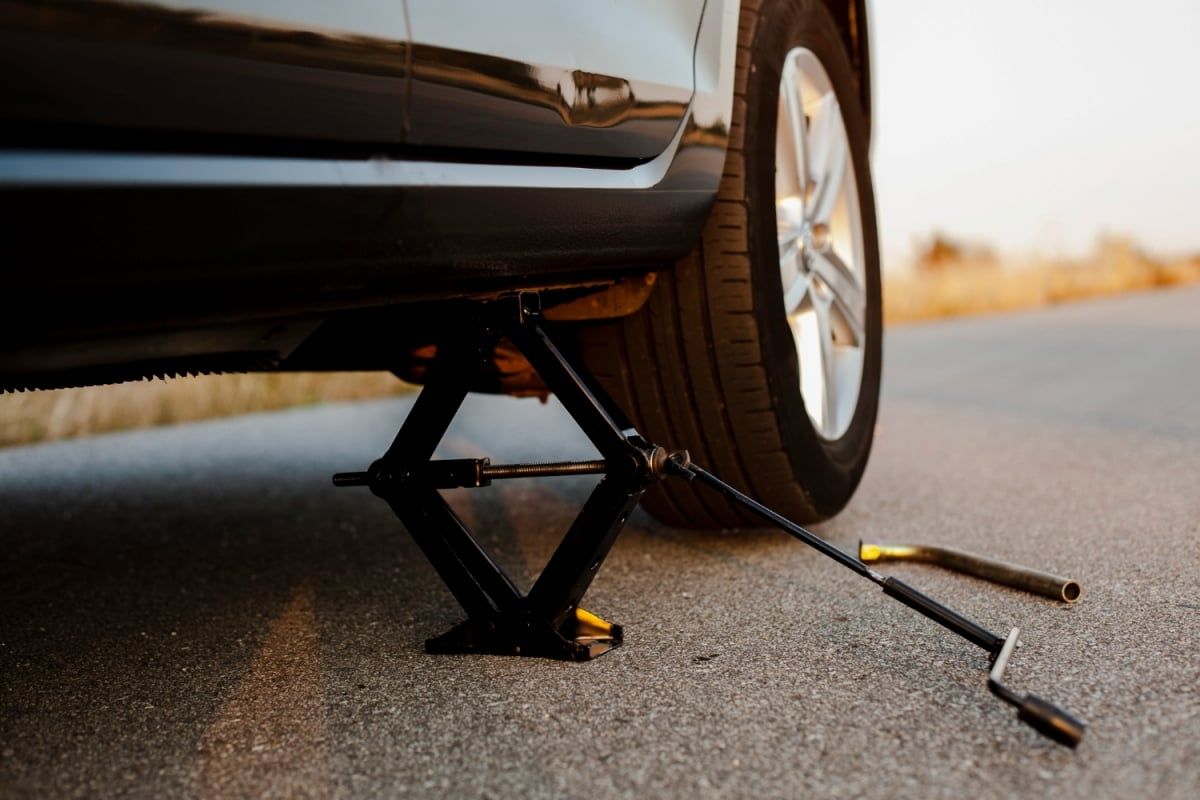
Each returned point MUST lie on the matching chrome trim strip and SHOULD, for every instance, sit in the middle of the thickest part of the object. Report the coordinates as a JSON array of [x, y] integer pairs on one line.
[[31, 168]]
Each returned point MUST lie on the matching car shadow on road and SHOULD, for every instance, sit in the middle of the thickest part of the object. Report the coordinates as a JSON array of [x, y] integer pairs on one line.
[[200, 620], [136, 606]]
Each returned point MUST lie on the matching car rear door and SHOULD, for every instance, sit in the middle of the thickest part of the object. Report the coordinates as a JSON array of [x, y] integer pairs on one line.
[[548, 80], [269, 77]]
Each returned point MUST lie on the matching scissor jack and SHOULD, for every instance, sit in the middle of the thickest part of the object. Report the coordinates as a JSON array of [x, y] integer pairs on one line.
[[548, 621]]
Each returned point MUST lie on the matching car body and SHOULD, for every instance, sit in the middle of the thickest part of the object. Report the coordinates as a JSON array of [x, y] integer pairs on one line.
[[208, 185]]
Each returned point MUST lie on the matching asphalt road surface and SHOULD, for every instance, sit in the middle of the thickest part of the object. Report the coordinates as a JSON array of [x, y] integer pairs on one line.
[[196, 611]]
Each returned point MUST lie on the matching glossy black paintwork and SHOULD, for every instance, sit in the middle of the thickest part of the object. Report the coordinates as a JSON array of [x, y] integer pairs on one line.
[[609, 80], [144, 77], [107, 273], [106, 277], [134, 76], [468, 100]]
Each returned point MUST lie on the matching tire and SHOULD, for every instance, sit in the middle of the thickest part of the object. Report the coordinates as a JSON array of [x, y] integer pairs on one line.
[[710, 363]]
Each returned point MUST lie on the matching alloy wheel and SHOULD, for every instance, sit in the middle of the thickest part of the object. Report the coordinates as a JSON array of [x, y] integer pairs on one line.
[[820, 236]]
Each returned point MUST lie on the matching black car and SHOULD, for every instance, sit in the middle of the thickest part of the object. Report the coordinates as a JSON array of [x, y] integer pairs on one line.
[[192, 186]]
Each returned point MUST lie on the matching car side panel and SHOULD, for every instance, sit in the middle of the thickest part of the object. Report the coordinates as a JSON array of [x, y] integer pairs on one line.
[[233, 76], [599, 80], [108, 253]]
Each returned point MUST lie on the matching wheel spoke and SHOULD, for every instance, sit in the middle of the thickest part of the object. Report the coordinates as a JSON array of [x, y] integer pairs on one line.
[[795, 293], [845, 289], [796, 129], [807, 336], [790, 273], [789, 246], [828, 153], [787, 231], [787, 169], [828, 367]]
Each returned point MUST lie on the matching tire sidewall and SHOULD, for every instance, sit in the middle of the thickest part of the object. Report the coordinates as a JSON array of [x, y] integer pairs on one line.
[[830, 470]]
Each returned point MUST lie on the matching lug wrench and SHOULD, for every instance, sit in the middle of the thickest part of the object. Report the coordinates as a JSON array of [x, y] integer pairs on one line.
[[547, 620], [1046, 718]]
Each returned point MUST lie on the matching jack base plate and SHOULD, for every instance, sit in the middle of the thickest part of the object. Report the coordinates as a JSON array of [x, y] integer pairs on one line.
[[582, 637]]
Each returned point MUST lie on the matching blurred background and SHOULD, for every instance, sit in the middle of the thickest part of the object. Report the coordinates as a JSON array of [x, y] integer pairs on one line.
[[1028, 153], [1025, 153], [1037, 127]]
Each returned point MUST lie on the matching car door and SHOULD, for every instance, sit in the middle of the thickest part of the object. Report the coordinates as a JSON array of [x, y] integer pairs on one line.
[[268, 77], [550, 80]]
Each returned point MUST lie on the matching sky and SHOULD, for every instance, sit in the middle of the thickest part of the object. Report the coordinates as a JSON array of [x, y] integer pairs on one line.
[[1034, 126]]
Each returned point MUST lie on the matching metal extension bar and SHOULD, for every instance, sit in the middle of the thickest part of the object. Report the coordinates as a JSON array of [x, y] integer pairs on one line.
[[1035, 581]]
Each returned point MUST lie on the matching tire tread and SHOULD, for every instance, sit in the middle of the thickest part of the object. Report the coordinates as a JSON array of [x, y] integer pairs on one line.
[[690, 366]]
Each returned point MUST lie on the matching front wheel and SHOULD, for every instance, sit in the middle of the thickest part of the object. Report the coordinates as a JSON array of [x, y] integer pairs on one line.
[[760, 351]]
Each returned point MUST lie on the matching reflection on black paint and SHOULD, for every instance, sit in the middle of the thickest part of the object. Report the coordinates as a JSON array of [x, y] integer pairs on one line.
[[472, 100], [102, 74]]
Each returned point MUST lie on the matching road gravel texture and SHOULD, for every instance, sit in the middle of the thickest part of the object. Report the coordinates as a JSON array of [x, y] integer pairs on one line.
[[196, 611]]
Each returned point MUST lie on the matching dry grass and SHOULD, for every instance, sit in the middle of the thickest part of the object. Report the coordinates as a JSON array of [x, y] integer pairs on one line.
[[948, 280], [38, 416], [952, 281]]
